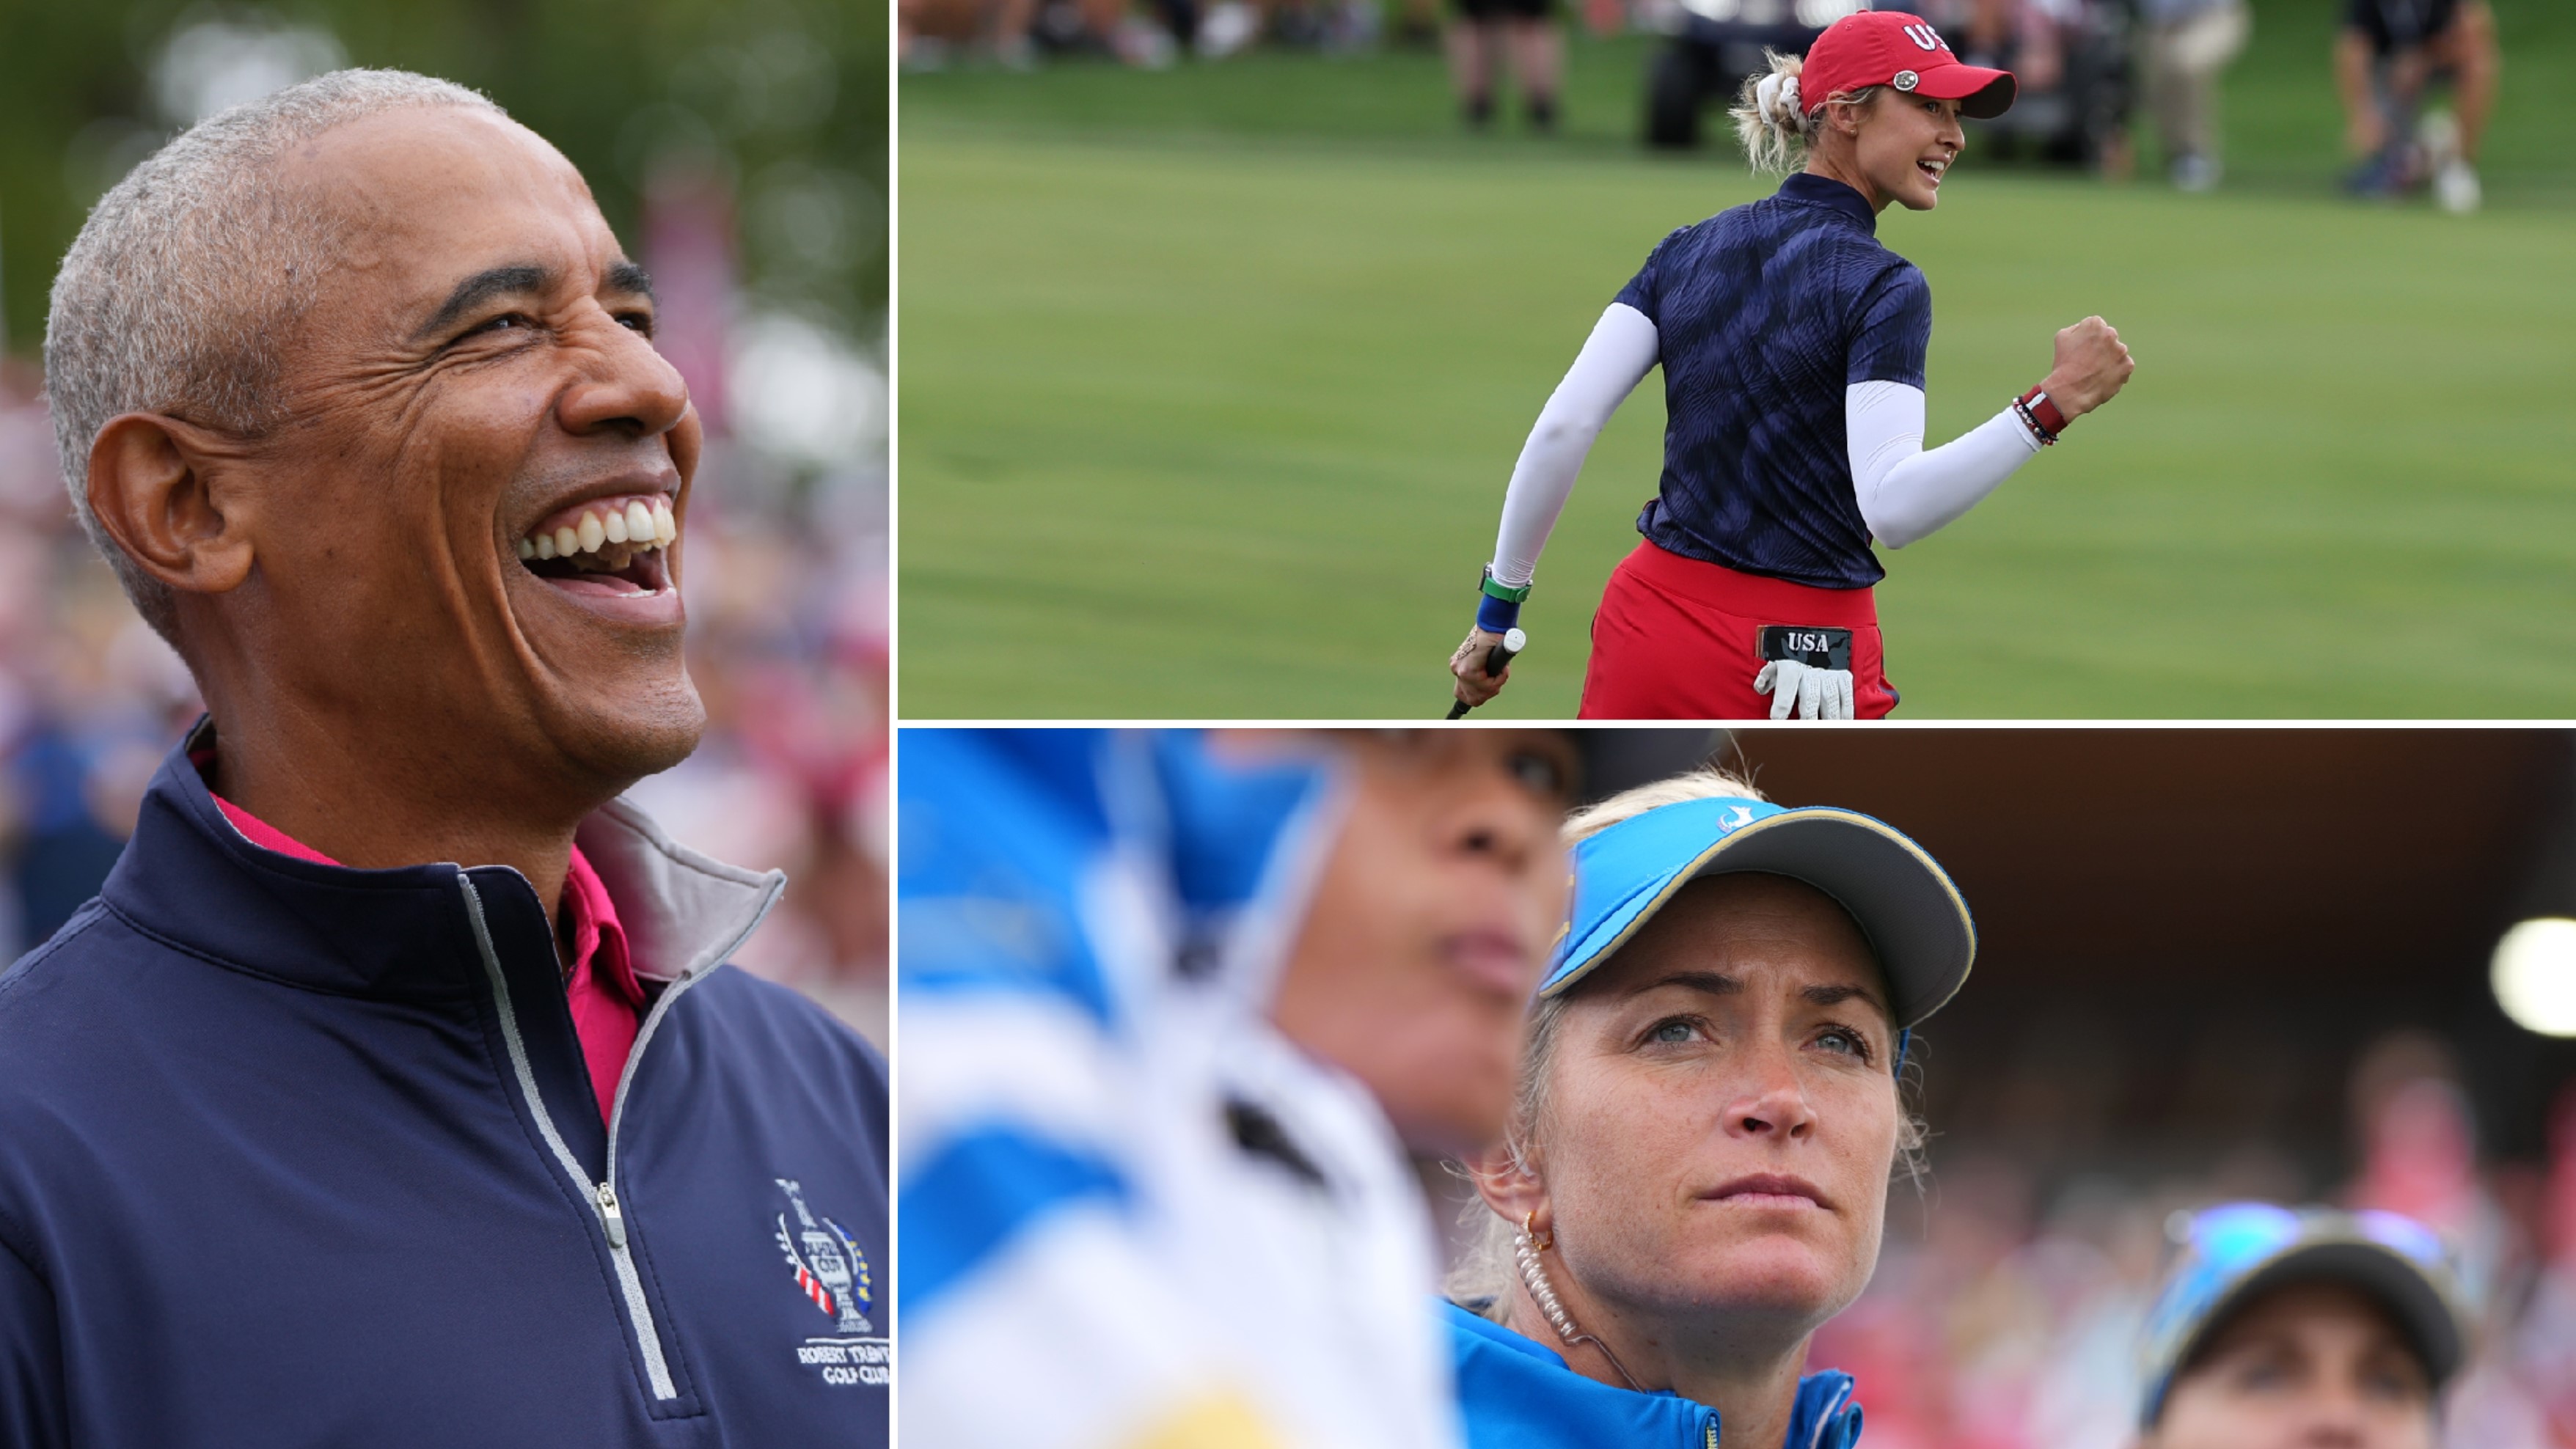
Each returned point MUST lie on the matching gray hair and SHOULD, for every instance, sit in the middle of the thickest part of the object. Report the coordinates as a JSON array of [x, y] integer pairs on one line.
[[1487, 1268], [182, 287]]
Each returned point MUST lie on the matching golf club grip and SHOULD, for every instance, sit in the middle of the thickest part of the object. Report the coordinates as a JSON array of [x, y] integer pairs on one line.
[[1496, 660]]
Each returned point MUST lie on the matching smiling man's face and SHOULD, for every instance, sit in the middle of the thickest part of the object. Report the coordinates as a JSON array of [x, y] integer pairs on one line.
[[469, 530]]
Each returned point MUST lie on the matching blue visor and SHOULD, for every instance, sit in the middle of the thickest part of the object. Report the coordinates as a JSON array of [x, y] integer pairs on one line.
[[2234, 1252], [1904, 903]]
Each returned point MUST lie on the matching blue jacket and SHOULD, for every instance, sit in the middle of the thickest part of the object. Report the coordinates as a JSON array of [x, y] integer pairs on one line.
[[1520, 1395], [293, 1155]]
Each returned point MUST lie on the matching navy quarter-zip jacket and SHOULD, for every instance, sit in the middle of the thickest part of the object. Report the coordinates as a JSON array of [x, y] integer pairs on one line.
[[294, 1155]]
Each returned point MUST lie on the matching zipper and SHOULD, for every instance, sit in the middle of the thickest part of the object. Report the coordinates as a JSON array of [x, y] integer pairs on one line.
[[610, 1218], [1712, 1434], [603, 1194]]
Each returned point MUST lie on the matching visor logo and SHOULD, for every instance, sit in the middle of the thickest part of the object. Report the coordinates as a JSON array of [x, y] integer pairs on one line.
[[1906, 80], [1924, 36]]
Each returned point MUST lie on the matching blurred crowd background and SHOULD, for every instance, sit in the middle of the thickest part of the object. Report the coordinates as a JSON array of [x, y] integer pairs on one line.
[[2101, 81], [2213, 965], [740, 150]]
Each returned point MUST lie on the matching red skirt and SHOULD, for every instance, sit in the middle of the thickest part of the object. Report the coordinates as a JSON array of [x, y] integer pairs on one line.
[[1679, 639]]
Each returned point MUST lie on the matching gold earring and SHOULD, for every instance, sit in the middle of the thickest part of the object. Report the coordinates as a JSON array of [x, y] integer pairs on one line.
[[1529, 1230]]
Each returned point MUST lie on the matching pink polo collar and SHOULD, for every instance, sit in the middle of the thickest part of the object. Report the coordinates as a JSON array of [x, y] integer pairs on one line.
[[607, 1000]]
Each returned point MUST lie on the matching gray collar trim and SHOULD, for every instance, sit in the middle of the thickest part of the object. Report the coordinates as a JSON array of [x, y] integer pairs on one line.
[[684, 913]]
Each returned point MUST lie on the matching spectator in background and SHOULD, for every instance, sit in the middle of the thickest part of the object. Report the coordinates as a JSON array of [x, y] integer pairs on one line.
[[1015, 32], [2072, 60], [2314, 1327], [2385, 56], [929, 31], [1486, 34], [2020, 36], [2188, 43]]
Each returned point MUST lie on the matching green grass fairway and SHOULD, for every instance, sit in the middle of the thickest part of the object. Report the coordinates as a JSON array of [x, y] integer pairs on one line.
[[1210, 417]]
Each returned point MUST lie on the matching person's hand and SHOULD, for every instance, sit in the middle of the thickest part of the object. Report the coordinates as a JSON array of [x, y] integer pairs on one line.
[[2092, 366], [1811, 692], [1475, 686]]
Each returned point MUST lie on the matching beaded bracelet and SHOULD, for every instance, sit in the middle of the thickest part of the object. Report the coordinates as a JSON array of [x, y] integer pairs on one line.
[[2042, 414]]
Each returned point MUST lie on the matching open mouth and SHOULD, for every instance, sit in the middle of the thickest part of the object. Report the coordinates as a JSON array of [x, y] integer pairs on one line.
[[609, 547], [1933, 168]]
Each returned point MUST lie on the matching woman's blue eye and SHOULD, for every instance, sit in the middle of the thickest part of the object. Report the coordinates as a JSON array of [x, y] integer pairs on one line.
[[1670, 1031]]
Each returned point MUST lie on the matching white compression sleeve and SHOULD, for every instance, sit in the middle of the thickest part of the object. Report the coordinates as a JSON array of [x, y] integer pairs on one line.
[[1615, 358], [1907, 493]]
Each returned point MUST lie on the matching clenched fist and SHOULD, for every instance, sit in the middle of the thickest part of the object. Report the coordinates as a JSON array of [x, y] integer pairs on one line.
[[2092, 366]]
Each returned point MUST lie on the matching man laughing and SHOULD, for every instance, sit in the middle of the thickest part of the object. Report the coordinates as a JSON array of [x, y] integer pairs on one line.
[[308, 1135]]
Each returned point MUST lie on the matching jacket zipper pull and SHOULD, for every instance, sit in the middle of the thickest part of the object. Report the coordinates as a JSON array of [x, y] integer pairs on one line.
[[611, 1218]]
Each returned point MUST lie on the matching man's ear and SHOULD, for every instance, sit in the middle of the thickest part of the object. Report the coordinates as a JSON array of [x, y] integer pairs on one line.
[[153, 486], [1507, 1184]]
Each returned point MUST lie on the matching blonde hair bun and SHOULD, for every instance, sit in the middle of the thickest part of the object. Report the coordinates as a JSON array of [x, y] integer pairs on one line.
[[1771, 114]]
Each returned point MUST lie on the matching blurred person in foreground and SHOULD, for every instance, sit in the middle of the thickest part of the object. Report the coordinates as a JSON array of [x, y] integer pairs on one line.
[[2282, 1327], [2189, 43], [2386, 55], [1695, 1175], [1176, 1010], [394, 1091]]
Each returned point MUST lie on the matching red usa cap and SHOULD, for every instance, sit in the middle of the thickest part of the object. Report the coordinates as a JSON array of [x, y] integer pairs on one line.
[[1892, 48]]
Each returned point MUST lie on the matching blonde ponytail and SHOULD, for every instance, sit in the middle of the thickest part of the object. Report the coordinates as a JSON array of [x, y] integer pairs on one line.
[[1771, 116]]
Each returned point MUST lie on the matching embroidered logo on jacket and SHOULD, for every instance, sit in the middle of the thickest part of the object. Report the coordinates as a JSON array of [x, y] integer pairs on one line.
[[832, 1273]]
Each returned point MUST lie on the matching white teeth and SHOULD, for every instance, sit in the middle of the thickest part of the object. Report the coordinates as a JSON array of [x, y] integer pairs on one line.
[[645, 525]]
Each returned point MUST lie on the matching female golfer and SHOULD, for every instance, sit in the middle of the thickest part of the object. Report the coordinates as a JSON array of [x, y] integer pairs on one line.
[[1792, 345], [1695, 1173]]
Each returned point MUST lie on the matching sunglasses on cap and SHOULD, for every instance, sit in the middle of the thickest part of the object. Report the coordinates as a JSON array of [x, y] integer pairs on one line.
[[2235, 1251]]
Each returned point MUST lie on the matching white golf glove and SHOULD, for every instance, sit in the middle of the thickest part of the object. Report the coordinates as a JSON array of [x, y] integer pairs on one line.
[[1810, 692]]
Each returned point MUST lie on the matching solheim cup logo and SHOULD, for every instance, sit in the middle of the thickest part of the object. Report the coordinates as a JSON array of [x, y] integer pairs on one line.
[[830, 1270]]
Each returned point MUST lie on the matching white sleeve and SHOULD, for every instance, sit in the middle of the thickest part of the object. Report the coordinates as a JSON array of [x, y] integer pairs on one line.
[[1615, 358], [1906, 493]]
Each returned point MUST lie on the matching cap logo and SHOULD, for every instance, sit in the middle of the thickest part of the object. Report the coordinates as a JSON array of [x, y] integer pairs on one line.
[[1924, 36], [1906, 80]]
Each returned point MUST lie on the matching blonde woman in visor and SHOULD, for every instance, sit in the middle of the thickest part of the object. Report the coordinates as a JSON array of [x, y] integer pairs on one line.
[[1696, 1171]]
